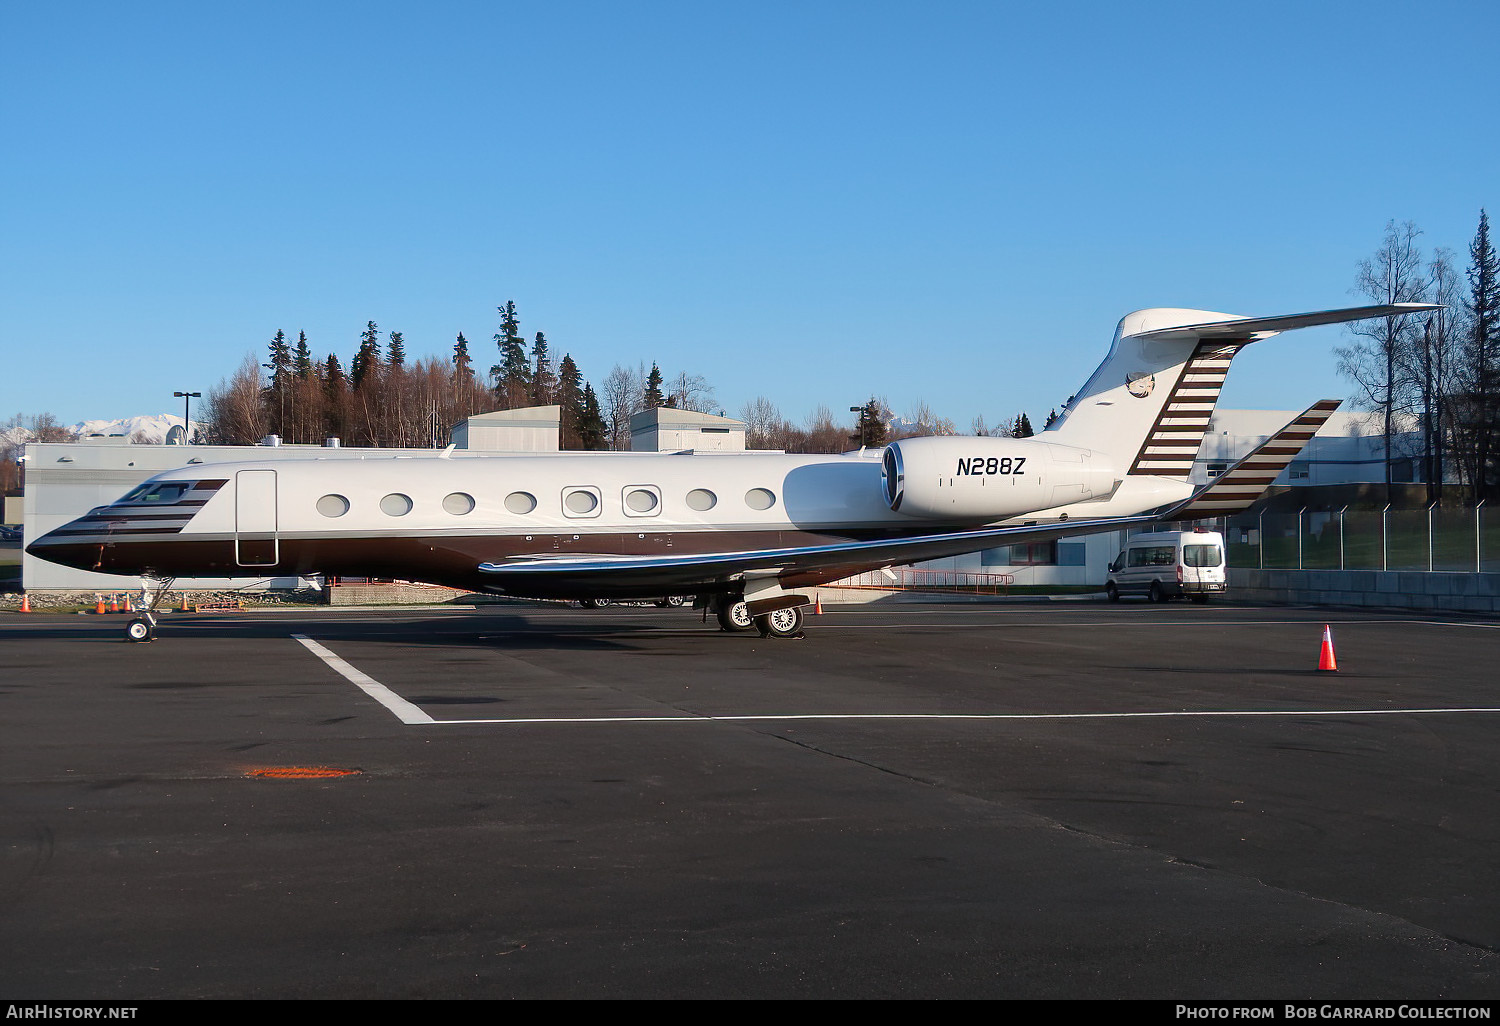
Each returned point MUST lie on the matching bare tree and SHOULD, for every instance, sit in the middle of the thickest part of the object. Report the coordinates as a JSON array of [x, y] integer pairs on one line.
[[621, 393], [1433, 365], [1378, 358], [692, 392], [763, 422], [921, 420], [233, 410]]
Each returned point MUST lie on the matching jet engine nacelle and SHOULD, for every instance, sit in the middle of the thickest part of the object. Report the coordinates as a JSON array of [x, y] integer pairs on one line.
[[952, 477]]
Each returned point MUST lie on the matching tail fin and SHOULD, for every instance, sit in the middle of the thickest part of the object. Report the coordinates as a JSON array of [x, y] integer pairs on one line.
[[1148, 404], [1237, 488]]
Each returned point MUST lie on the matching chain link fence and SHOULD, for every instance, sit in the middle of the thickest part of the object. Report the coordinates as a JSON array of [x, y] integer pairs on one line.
[[1435, 539]]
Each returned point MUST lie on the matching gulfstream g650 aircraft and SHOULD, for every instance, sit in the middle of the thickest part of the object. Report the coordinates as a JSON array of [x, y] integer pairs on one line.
[[748, 532]]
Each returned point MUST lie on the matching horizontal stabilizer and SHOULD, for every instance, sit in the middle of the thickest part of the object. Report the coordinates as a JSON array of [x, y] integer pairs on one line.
[[1256, 328], [1237, 488]]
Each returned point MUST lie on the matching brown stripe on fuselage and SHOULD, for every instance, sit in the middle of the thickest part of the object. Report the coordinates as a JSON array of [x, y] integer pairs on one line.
[[452, 560]]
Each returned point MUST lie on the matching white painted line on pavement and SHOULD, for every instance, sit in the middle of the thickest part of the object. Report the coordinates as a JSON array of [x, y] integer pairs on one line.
[[404, 710]]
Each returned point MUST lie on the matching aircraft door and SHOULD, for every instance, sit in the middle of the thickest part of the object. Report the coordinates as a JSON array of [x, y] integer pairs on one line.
[[255, 542]]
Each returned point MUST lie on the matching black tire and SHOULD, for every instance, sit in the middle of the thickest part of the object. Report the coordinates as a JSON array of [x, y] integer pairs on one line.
[[1156, 594], [676, 601], [734, 615], [1111, 592], [593, 603], [783, 623], [138, 630]]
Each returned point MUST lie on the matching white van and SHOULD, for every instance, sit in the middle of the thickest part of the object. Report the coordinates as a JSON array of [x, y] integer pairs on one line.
[[1168, 565]]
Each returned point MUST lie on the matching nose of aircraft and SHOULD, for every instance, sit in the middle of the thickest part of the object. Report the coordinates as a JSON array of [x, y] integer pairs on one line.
[[58, 547]]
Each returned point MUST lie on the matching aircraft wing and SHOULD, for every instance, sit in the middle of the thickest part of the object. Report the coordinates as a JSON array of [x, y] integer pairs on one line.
[[1237, 488], [796, 566], [1264, 327]]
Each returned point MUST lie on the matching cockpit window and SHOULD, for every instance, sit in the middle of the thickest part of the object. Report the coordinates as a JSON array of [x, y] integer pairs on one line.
[[157, 493]]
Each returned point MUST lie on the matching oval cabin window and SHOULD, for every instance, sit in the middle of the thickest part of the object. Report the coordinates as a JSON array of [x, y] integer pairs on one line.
[[333, 505], [701, 499], [395, 505], [640, 500], [520, 502], [760, 498], [458, 503], [580, 502]]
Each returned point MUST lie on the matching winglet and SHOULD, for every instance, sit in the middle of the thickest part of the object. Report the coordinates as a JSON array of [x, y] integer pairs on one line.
[[1237, 488]]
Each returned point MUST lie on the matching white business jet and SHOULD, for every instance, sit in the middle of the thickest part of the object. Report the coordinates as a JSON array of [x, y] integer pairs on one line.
[[749, 533]]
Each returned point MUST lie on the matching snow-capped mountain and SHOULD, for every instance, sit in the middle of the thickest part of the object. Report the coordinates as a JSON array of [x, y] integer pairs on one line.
[[152, 428], [149, 428]]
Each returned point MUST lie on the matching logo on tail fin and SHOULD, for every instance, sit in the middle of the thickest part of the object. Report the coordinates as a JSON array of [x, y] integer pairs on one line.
[[1140, 383]]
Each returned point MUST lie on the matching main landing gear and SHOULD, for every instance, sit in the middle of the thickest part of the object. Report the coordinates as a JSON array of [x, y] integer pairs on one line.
[[734, 616], [143, 627]]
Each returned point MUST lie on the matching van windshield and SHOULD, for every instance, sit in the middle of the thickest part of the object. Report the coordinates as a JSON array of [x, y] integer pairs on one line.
[[1202, 555]]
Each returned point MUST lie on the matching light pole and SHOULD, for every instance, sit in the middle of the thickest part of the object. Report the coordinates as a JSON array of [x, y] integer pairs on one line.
[[860, 423], [187, 428]]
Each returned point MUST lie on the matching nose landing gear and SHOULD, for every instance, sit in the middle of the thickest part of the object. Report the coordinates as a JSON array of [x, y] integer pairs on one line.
[[143, 627]]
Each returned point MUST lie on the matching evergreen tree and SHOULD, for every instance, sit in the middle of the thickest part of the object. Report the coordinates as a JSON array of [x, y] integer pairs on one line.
[[1023, 426], [463, 367], [280, 365], [543, 379], [1481, 356], [652, 397], [396, 353], [278, 391], [593, 432], [1051, 419], [873, 428], [302, 358], [512, 375], [569, 397], [335, 398], [368, 357]]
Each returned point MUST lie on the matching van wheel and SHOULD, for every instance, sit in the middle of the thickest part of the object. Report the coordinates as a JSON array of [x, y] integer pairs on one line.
[[1155, 594], [1111, 592]]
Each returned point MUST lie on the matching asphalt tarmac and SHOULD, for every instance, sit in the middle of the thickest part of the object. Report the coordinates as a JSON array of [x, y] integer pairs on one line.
[[916, 801]]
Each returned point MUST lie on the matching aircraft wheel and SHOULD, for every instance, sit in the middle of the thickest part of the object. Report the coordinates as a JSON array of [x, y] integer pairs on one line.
[[734, 615], [1155, 594], [1111, 592], [138, 630], [783, 623]]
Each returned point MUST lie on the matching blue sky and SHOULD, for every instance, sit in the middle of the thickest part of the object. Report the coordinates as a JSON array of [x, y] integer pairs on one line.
[[815, 202]]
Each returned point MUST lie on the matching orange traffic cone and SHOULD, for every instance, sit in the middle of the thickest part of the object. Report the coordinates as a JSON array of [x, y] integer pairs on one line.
[[817, 605], [184, 603], [1326, 662], [98, 603], [114, 603], [25, 603]]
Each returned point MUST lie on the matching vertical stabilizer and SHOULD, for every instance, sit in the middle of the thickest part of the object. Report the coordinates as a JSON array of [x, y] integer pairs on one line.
[[1149, 403]]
